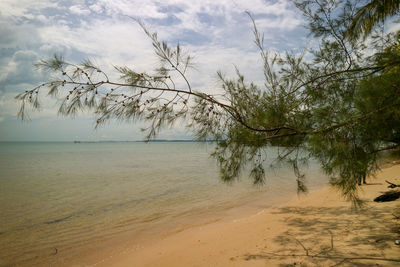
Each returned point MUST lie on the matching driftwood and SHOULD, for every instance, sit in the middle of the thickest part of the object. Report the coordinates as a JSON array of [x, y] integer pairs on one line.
[[392, 185], [388, 196]]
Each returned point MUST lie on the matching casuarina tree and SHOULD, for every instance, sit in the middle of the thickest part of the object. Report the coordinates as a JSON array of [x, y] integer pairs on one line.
[[337, 102]]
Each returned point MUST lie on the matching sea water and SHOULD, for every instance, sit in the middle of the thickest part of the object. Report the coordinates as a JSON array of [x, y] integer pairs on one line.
[[56, 199]]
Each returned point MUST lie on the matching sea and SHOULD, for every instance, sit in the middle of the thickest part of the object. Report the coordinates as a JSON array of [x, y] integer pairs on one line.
[[61, 202]]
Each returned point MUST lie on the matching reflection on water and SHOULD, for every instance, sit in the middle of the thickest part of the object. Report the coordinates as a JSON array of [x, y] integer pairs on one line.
[[59, 198]]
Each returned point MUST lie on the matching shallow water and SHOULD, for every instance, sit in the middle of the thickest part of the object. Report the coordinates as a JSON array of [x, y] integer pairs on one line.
[[58, 198]]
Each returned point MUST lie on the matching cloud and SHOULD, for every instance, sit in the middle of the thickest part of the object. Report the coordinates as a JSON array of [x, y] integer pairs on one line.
[[200, 13], [217, 33], [20, 8], [135, 8], [17, 35], [105, 42], [97, 8], [20, 70], [279, 23], [79, 10], [8, 105], [393, 25]]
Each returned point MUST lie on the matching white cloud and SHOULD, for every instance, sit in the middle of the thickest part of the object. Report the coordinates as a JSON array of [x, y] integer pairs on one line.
[[21, 36], [42, 19], [79, 10], [136, 8], [98, 8], [188, 13], [13, 8], [106, 42], [217, 33], [393, 26], [281, 23]]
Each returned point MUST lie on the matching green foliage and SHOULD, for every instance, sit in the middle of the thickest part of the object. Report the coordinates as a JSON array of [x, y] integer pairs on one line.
[[341, 107], [370, 15]]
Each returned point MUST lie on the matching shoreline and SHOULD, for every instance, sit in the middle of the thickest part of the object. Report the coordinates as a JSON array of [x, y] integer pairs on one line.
[[317, 223], [126, 242], [63, 206]]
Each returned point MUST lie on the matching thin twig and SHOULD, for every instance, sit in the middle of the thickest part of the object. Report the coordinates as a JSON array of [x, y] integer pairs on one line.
[[301, 244]]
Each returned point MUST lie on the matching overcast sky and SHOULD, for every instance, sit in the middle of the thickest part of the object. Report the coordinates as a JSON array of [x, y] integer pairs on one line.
[[217, 33]]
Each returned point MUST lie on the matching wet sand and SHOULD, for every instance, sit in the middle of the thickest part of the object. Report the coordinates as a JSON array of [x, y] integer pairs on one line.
[[317, 229]]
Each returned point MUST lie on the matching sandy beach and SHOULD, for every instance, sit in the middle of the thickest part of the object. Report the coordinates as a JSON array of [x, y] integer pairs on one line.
[[317, 229]]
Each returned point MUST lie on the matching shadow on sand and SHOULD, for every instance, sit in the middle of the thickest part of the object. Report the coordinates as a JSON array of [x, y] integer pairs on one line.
[[325, 236]]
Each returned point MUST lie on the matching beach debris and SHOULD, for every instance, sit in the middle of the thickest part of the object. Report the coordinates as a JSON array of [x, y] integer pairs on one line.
[[388, 196], [58, 220], [392, 185], [324, 254], [397, 242]]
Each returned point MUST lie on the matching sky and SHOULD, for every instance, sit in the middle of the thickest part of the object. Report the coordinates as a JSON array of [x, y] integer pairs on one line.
[[218, 33]]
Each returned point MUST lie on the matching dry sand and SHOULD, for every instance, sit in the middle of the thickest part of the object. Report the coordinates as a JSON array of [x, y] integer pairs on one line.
[[318, 229]]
